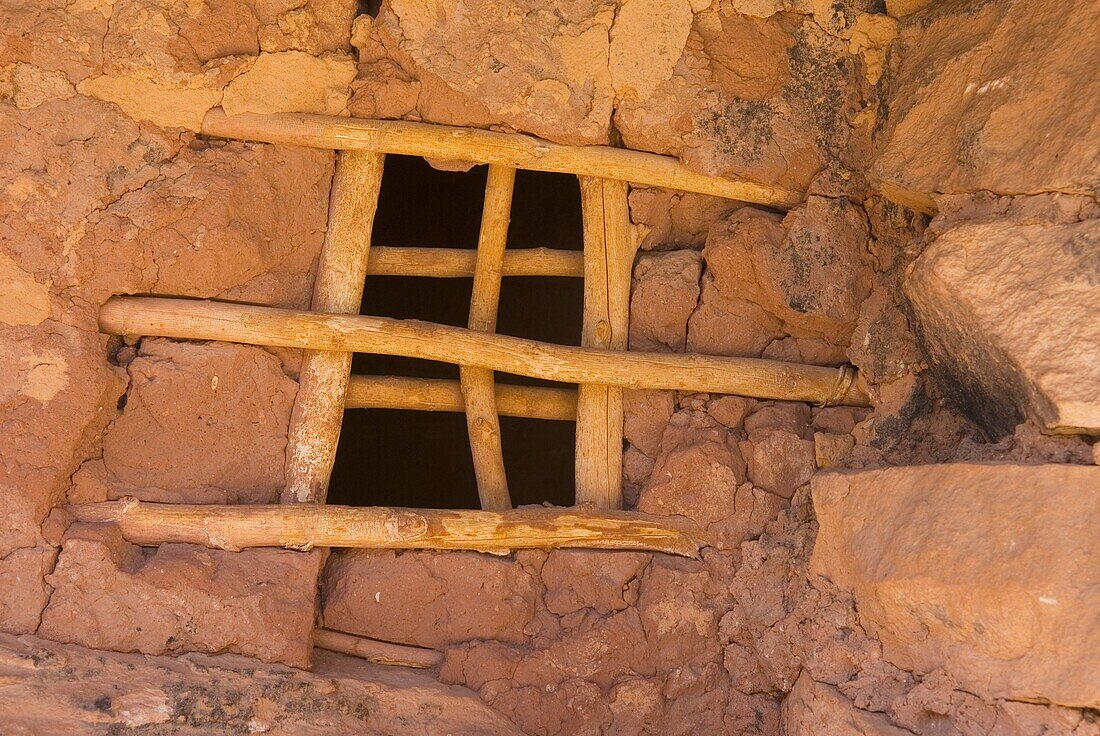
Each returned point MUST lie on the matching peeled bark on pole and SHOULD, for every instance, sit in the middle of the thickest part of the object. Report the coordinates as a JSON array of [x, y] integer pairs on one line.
[[190, 319], [305, 526]]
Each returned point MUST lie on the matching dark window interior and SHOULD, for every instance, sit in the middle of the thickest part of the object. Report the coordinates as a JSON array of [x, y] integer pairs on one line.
[[422, 459]]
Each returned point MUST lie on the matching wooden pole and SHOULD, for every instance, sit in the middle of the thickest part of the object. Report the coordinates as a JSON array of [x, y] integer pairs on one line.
[[609, 248], [378, 652], [319, 406], [477, 382], [488, 147], [194, 319], [302, 527], [447, 263], [440, 394]]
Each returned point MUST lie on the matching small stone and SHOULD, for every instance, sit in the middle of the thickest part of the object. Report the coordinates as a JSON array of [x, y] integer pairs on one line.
[[778, 461], [665, 293], [292, 81], [731, 411], [831, 449]]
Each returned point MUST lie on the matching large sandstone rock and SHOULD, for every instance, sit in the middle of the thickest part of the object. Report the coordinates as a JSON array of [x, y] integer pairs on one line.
[[203, 423], [110, 594], [426, 598], [988, 571], [60, 689], [999, 97], [1009, 313]]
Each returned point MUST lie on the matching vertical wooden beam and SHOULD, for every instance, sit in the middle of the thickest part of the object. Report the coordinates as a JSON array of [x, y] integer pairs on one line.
[[478, 391], [319, 407], [609, 248]]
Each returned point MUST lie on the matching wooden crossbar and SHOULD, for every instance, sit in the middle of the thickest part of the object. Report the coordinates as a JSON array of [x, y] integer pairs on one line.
[[441, 394], [488, 147], [319, 406], [609, 248], [301, 526], [194, 319], [476, 381], [444, 263]]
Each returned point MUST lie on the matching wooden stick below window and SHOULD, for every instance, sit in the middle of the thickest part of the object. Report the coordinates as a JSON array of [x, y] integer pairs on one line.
[[378, 652], [482, 422], [302, 526], [194, 319], [441, 394]]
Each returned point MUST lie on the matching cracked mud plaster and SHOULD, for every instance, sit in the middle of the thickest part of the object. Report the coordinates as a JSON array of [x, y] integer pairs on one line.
[[169, 64], [669, 75]]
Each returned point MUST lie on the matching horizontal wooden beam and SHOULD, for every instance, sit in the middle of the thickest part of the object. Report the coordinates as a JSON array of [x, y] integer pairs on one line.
[[449, 263], [378, 652], [487, 147], [441, 394], [302, 526], [192, 319]]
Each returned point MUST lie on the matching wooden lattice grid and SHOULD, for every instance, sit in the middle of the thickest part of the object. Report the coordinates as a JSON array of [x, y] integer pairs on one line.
[[332, 330]]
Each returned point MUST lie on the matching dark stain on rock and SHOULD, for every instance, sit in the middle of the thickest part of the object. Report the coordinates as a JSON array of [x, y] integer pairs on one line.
[[741, 128]]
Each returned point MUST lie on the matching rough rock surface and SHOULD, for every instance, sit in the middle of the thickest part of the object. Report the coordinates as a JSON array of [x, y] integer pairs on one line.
[[737, 94], [110, 594], [744, 640], [1009, 313], [731, 88], [427, 599], [814, 708], [550, 77], [664, 293], [809, 270], [203, 423], [54, 688], [987, 571], [976, 103], [95, 204], [169, 63], [700, 473]]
